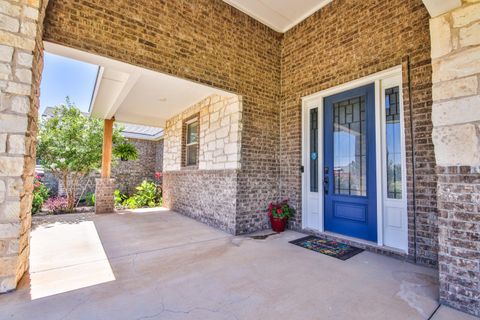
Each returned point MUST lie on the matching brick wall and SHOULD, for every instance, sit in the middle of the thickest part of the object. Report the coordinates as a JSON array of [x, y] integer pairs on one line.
[[207, 191], [21, 52], [206, 41], [347, 40], [206, 195], [159, 156], [127, 174], [456, 117], [459, 253]]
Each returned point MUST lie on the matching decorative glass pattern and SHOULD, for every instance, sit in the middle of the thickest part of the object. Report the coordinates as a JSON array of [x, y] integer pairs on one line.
[[394, 151], [350, 147], [314, 150]]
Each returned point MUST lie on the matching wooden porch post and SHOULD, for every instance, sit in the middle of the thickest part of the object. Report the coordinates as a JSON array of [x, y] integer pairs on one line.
[[107, 148]]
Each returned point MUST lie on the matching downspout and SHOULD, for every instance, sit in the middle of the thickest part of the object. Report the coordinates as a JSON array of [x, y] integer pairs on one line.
[[412, 146]]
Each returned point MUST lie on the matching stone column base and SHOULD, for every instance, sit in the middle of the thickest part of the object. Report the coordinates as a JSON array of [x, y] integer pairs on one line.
[[104, 200]]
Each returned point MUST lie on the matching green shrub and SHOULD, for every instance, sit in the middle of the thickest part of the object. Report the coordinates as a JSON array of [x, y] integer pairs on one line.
[[130, 203], [147, 195], [90, 199], [119, 198], [40, 194]]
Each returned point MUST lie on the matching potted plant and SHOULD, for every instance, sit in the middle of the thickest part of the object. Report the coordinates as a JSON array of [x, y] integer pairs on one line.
[[279, 213], [126, 151]]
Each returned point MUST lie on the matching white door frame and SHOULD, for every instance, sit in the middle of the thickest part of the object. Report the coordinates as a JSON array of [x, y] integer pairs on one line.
[[316, 101]]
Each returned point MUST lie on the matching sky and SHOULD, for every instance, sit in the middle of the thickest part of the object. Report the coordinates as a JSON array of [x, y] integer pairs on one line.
[[63, 77]]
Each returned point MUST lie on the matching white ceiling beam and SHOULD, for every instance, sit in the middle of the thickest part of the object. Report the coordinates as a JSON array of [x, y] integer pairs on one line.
[[439, 7], [129, 84]]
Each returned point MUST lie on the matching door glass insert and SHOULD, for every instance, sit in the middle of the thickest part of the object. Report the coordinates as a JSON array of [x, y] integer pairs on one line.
[[349, 147], [393, 143], [314, 150]]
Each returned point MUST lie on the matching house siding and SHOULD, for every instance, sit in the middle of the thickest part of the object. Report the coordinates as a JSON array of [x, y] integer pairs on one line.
[[206, 191], [337, 45], [21, 65], [205, 195], [207, 41], [456, 135]]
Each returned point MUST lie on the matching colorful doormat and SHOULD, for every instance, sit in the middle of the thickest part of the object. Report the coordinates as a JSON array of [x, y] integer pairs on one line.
[[335, 249]]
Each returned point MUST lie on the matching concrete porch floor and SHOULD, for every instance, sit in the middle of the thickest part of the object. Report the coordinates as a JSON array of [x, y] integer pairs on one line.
[[157, 264]]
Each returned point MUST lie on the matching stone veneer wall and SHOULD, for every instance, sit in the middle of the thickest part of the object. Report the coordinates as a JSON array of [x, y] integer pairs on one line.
[[21, 52], [207, 41], [347, 40], [456, 119], [208, 191], [219, 134]]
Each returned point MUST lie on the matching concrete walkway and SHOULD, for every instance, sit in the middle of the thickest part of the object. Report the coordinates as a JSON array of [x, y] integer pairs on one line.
[[161, 265]]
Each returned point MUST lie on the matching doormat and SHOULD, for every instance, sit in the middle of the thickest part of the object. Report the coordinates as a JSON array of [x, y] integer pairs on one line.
[[331, 248]]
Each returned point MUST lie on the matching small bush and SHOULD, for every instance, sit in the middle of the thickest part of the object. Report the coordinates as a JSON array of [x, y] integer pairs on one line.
[[119, 198], [90, 199], [57, 205], [40, 194], [147, 195]]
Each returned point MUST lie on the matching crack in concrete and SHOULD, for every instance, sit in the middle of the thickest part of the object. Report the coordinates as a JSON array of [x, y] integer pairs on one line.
[[75, 307]]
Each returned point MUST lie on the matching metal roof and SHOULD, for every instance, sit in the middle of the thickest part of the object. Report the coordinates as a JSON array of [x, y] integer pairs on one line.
[[128, 130]]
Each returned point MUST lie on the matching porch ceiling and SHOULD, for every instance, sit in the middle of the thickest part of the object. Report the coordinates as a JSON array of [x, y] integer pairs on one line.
[[136, 95], [280, 15]]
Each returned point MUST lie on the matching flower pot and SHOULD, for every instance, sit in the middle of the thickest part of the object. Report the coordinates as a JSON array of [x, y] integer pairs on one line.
[[278, 224]]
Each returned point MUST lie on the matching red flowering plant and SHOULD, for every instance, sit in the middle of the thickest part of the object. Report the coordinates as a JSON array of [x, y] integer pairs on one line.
[[280, 210], [158, 183]]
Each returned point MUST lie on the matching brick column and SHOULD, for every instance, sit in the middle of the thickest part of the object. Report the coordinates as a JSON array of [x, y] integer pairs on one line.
[[104, 201], [455, 37], [20, 70]]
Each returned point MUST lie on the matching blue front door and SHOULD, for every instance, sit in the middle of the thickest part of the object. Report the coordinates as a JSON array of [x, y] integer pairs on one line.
[[349, 170]]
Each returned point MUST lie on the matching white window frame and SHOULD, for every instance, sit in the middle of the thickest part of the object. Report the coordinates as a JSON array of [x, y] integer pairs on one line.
[[395, 232], [187, 123], [380, 79]]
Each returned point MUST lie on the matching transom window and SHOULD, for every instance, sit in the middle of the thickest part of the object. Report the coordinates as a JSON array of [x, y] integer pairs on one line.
[[192, 130]]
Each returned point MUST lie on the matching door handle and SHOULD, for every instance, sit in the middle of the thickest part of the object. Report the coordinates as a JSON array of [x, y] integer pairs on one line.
[[325, 180]]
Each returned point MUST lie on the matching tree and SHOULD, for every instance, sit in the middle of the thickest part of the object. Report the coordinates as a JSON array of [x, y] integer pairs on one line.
[[69, 145]]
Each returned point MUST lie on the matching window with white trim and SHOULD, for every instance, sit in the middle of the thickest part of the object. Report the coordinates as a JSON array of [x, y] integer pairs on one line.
[[191, 143], [393, 143]]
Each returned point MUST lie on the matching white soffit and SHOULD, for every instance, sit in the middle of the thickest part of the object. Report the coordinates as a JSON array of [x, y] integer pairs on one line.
[[280, 15], [438, 7], [136, 95]]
